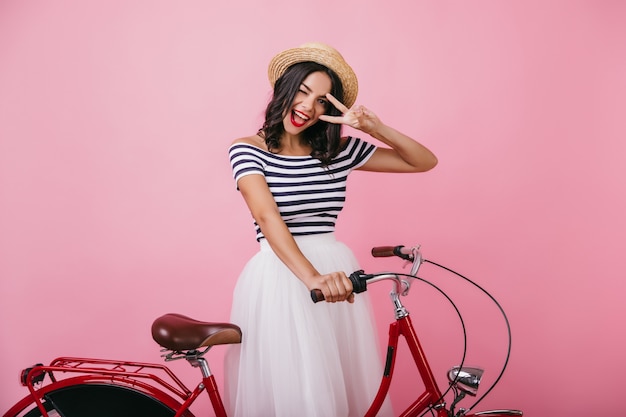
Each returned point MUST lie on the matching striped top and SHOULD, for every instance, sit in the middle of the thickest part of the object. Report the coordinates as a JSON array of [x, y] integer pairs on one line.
[[309, 196]]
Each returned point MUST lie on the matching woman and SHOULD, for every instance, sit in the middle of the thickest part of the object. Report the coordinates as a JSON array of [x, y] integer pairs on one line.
[[298, 358]]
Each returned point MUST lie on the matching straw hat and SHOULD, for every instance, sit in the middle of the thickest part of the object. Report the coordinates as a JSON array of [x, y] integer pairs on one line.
[[322, 54]]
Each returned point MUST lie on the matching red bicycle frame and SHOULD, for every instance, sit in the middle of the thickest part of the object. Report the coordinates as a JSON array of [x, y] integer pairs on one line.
[[431, 397]]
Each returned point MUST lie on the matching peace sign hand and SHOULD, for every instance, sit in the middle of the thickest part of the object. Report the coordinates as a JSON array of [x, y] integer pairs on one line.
[[357, 117]]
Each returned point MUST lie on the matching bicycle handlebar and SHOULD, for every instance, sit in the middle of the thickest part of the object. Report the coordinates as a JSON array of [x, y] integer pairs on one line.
[[359, 284], [386, 251], [359, 278]]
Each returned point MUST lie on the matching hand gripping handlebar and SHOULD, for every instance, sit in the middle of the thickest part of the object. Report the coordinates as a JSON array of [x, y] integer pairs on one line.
[[359, 284], [359, 278]]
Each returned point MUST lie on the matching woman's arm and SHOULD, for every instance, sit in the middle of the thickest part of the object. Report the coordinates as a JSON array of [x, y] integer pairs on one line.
[[404, 155], [335, 286]]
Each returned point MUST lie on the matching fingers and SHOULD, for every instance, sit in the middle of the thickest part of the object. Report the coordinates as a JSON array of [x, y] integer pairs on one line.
[[338, 104], [332, 119], [337, 287], [358, 110], [357, 117]]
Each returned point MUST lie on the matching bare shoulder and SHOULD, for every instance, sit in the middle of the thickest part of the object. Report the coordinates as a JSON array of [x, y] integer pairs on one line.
[[254, 140]]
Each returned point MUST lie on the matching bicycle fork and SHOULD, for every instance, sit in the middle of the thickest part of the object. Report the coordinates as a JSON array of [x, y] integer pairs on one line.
[[431, 397]]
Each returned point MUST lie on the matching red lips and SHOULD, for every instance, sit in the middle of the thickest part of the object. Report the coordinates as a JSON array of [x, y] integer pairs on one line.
[[298, 119]]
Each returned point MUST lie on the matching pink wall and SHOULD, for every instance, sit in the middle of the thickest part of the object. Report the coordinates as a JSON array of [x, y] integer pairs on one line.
[[116, 202]]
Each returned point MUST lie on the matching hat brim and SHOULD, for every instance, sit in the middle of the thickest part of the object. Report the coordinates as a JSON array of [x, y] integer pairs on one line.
[[329, 58]]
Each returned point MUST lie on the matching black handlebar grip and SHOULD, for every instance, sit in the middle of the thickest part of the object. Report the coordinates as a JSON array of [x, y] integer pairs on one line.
[[385, 251], [317, 295], [359, 284]]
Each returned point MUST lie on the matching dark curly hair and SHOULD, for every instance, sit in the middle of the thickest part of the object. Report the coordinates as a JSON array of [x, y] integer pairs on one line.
[[323, 137]]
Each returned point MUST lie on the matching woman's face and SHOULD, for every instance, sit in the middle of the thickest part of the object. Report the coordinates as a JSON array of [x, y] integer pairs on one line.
[[310, 102]]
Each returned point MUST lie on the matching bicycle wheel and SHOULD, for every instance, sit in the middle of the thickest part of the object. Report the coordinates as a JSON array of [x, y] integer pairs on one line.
[[100, 400]]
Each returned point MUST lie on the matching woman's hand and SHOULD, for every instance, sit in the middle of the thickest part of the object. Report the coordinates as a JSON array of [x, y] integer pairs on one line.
[[357, 117], [335, 286], [405, 155]]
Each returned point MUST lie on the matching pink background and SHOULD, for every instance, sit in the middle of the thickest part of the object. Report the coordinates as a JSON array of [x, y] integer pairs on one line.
[[117, 203]]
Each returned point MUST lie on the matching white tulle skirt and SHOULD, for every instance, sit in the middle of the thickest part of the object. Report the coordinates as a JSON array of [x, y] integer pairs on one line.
[[298, 358]]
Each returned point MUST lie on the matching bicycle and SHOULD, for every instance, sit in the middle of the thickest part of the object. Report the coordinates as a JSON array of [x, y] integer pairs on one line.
[[98, 388]]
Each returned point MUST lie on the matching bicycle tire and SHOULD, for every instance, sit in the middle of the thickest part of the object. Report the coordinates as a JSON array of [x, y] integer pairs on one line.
[[100, 400]]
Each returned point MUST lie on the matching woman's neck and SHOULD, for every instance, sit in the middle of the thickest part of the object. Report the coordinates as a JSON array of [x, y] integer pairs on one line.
[[294, 146]]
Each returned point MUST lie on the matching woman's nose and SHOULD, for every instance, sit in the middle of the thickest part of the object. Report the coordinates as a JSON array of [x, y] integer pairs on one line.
[[308, 102]]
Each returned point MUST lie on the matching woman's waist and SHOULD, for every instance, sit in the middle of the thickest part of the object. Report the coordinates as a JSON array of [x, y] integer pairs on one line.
[[304, 241]]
